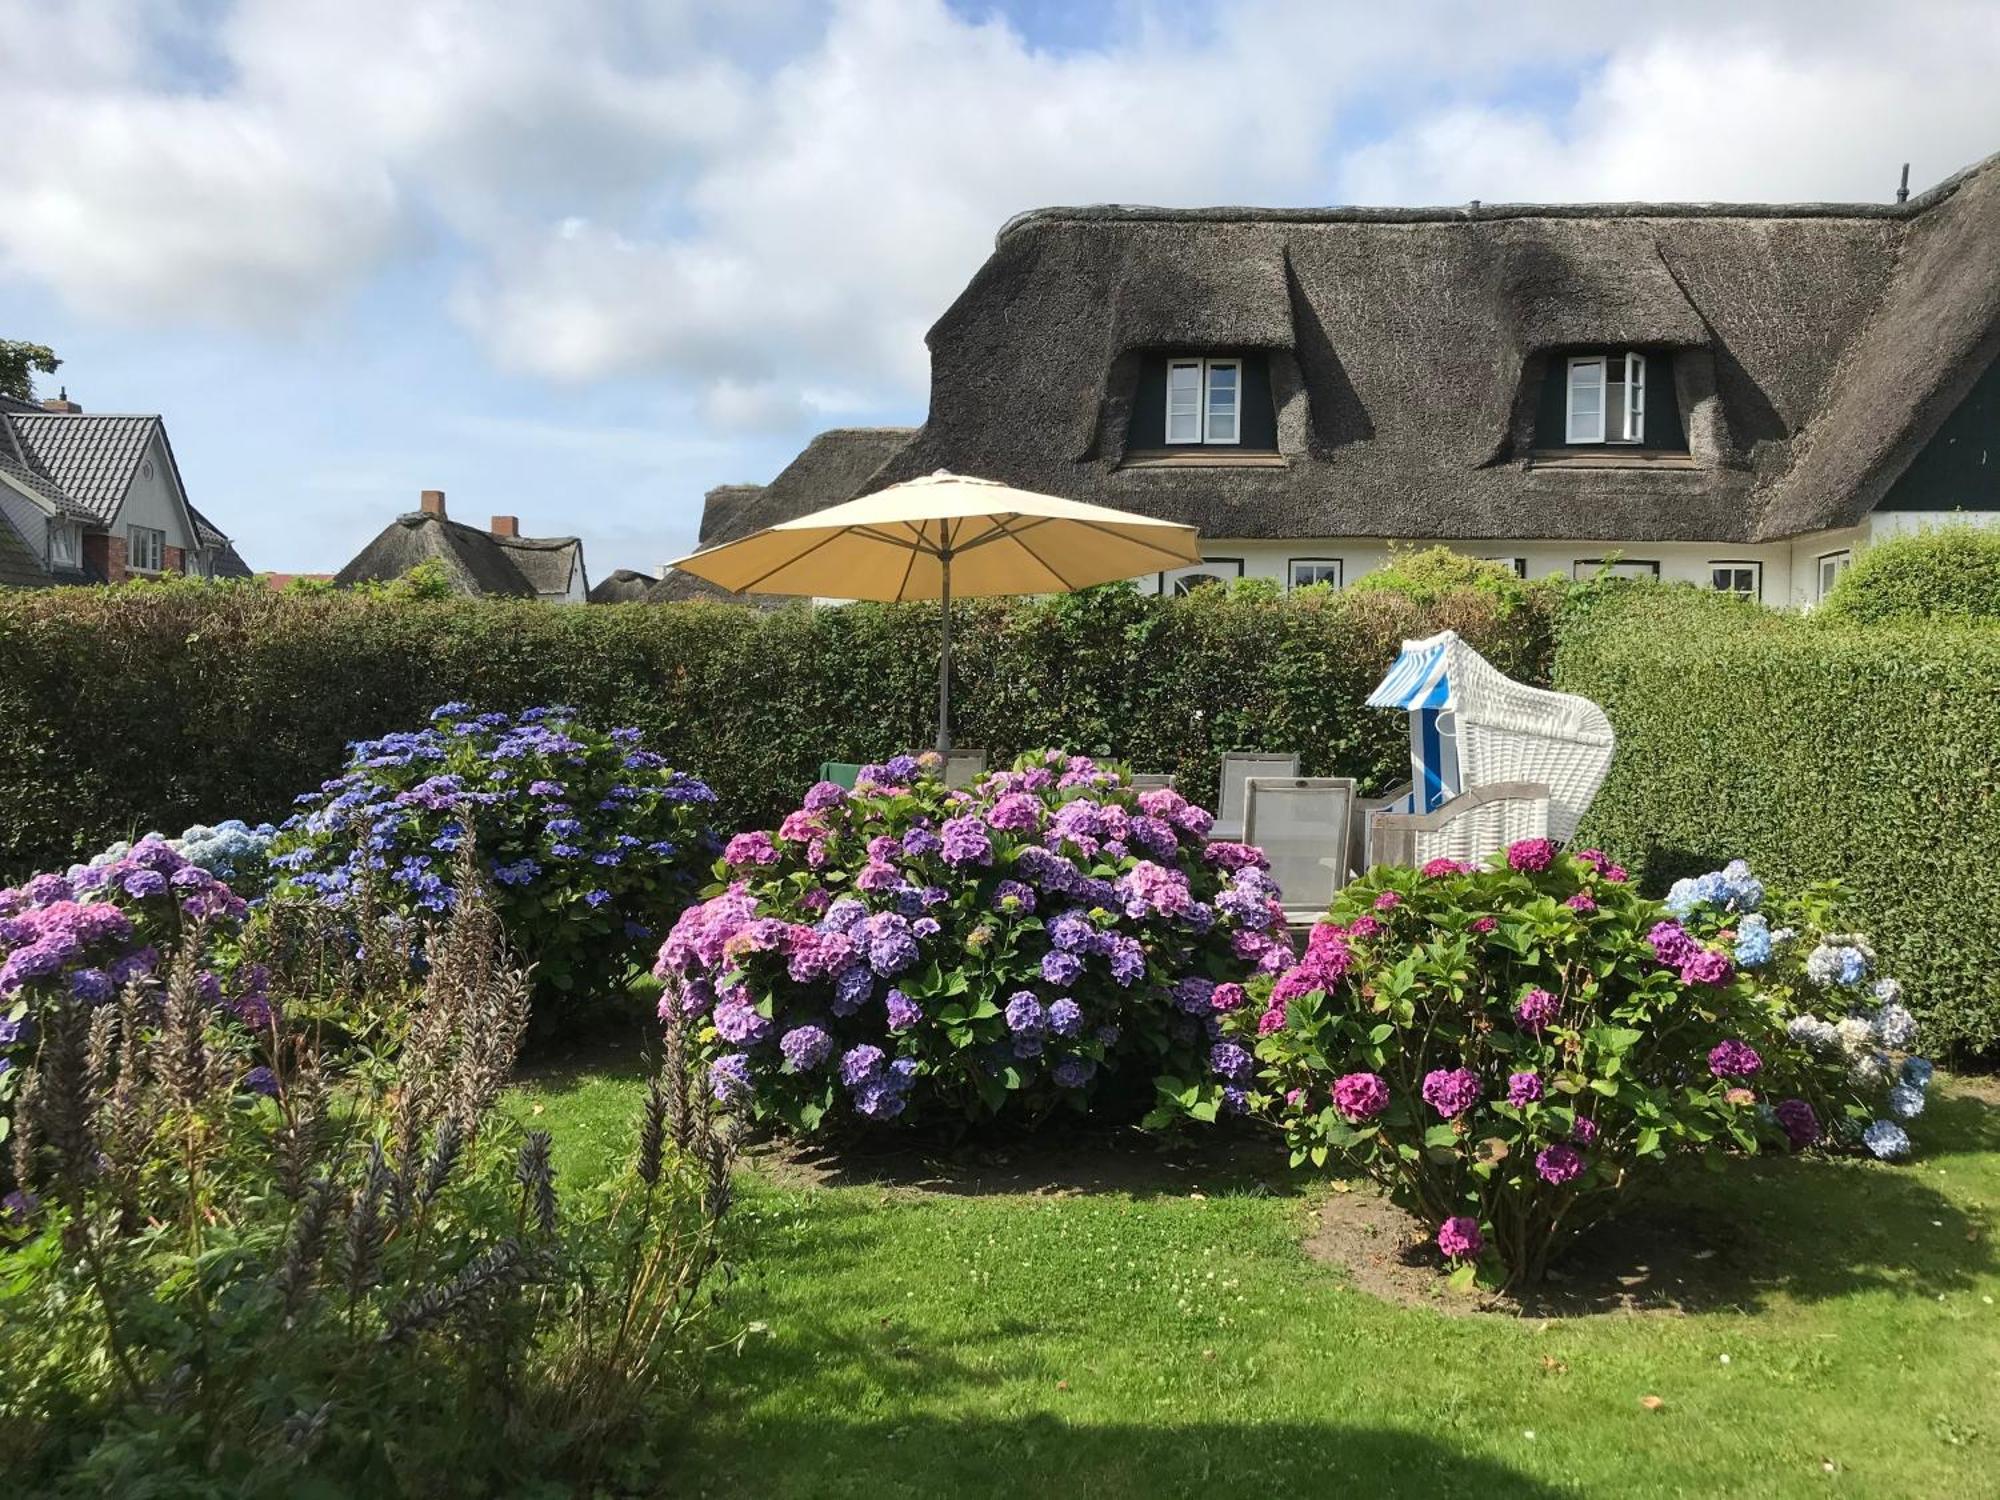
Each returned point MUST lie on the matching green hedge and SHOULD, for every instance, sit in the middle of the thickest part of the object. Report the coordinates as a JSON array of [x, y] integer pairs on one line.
[[1946, 573], [152, 706], [1816, 750]]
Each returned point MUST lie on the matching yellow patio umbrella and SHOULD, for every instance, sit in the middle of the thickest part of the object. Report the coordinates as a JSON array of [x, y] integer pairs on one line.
[[942, 535]]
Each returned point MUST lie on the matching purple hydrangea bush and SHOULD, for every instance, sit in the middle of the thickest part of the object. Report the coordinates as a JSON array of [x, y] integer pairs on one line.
[[1842, 1007], [589, 838], [81, 939], [1508, 1050], [905, 950]]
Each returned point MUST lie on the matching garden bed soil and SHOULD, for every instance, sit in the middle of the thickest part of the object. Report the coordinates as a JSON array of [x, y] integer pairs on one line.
[[1656, 1262]]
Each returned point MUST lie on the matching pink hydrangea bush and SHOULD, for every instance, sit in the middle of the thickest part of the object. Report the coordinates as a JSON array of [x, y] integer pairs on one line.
[[80, 939], [907, 951], [1508, 1050]]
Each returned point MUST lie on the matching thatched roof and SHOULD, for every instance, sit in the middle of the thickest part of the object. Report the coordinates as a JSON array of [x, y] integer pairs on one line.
[[477, 562], [1815, 345], [624, 586], [835, 466]]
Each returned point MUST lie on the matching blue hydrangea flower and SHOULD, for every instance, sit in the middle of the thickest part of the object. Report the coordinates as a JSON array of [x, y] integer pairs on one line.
[[1905, 1102], [1917, 1072], [1887, 1140]]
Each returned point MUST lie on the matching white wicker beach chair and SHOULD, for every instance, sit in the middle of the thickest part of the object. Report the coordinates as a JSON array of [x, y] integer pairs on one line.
[[1471, 826], [1238, 766], [1301, 823], [963, 767], [1486, 729]]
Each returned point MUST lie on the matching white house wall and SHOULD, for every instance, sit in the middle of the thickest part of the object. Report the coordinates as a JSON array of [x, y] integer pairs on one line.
[[1688, 562], [151, 501]]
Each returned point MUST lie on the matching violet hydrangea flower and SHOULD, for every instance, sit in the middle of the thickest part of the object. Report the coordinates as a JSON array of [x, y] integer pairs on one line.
[[1451, 1091], [1459, 1238], [1360, 1096]]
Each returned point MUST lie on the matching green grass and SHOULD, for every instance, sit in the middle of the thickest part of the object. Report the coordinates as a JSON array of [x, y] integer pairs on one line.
[[1168, 1336]]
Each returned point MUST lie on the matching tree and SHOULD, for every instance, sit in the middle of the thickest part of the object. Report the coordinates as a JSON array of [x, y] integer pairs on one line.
[[18, 364]]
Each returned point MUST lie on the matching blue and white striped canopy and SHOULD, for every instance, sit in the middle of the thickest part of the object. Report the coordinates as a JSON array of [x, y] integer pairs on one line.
[[1418, 679]]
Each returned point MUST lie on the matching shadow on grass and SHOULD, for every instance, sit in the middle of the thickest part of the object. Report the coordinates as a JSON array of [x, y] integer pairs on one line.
[[1073, 1159], [1043, 1454]]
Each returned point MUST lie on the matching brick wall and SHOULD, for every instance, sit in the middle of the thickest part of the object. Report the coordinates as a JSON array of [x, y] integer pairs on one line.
[[105, 554]]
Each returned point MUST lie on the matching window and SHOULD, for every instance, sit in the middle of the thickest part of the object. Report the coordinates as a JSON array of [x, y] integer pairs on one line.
[[1205, 401], [1585, 568], [1607, 399], [1306, 571], [145, 549], [1745, 578], [1209, 570], [65, 545], [1518, 564], [1831, 567]]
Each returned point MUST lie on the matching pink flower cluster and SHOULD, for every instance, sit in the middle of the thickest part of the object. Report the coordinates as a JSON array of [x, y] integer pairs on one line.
[[1360, 1096], [1459, 1238], [1734, 1059], [1675, 947], [1451, 1091]]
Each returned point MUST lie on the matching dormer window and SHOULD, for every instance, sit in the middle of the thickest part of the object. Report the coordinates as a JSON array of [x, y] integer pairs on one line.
[[1203, 410], [1612, 408], [1607, 399], [1204, 401]]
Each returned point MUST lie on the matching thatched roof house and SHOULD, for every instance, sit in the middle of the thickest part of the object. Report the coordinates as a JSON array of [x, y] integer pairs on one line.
[[1733, 393], [496, 563]]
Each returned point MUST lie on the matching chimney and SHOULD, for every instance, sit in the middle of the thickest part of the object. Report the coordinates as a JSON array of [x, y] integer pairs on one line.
[[505, 526], [431, 503], [61, 403]]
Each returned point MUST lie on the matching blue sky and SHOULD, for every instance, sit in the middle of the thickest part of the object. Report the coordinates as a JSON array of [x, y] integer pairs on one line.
[[579, 260]]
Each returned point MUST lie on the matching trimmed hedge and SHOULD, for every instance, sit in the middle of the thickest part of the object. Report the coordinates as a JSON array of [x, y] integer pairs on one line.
[[1816, 750], [1947, 573], [156, 705]]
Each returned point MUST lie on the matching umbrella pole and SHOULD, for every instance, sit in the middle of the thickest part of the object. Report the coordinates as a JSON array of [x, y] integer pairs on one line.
[[944, 657]]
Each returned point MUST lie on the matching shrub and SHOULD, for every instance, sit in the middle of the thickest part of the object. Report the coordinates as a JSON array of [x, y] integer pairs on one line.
[[1843, 1010], [1816, 751], [232, 1271], [1431, 575], [156, 707], [590, 839], [70, 942], [909, 951], [1507, 1051], [232, 851], [1950, 573]]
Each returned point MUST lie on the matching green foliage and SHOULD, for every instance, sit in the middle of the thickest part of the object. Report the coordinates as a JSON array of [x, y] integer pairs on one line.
[[156, 707], [1428, 576], [19, 362], [593, 842], [1508, 1051], [1948, 573], [243, 1271], [1817, 750]]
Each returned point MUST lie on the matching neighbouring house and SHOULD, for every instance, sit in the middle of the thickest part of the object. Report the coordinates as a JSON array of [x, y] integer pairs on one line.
[[1732, 395], [90, 497], [835, 466], [496, 563]]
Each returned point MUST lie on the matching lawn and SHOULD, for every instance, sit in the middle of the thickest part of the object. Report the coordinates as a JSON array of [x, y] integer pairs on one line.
[[1118, 1320]]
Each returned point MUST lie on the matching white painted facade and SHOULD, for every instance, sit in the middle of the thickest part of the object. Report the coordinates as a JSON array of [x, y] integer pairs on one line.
[[1786, 574], [153, 501]]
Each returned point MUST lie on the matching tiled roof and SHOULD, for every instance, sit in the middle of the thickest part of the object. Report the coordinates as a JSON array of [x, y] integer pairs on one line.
[[91, 457], [39, 486]]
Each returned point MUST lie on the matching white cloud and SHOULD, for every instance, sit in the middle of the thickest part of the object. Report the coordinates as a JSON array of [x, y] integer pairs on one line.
[[767, 201]]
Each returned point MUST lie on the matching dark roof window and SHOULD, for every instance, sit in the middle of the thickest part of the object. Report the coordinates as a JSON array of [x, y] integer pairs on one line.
[[1594, 399], [1192, 403]]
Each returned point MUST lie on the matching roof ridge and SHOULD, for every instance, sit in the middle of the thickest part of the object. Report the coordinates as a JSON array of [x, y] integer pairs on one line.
[[1478, 212]]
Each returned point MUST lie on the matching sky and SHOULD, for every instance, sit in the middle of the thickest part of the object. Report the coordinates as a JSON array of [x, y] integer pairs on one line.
[[580, 260]]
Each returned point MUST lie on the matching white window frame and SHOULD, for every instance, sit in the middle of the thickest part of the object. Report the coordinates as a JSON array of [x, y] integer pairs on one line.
[[1292, 566], [1738, 565], [1593, 429], [1841, 561], [1204, 413], [65, 545], [1635, 397], [133, 550], [1518, 564], [1224, 568], [1584, 568], [1632, 425]]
